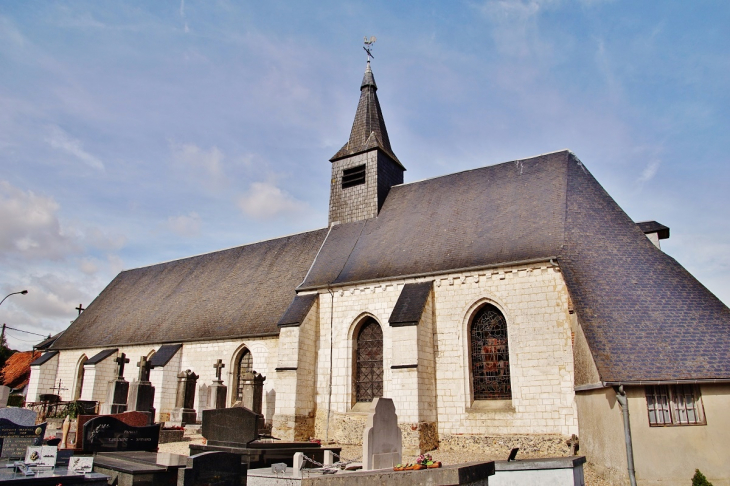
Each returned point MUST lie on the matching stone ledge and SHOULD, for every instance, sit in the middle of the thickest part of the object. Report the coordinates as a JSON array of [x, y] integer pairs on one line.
[[541, 463]]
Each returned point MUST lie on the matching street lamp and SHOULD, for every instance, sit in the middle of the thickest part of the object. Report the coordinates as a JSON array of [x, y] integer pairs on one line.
[[23, 292]]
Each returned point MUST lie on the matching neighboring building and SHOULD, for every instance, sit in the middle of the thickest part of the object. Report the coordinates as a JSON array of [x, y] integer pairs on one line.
[[16, 372], [497, 307]]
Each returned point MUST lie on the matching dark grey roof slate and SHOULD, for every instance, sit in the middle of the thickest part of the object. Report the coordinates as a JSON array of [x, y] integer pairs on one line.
[[163, 355], [654, 227], [645, 317], [44, 358], [297, 310], [46, 343], [213, 296], [411, 302], [368, 130], [502, 213], [100, 356]]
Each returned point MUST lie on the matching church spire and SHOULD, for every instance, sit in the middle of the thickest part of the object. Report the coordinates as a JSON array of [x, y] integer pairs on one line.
[[368, 130], [365, 169]]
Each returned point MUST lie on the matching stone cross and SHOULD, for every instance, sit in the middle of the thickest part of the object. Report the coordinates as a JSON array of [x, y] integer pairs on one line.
[[121, 360], [218, 368], [144, 369]]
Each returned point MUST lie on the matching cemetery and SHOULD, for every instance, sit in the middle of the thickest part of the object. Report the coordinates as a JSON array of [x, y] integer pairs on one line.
[[118, 444]]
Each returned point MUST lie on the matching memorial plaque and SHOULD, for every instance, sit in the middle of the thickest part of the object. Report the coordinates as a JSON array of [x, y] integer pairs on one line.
[[41, 456], [15, 439], [107, 434], [81, 464]]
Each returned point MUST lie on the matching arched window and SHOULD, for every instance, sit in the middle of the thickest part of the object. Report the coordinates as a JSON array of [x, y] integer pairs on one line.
[[490, 355], [80, 377], [244, 365], [369, 364]]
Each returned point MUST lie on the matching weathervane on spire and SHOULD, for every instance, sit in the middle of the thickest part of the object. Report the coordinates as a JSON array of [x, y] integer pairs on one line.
[[369, 47]]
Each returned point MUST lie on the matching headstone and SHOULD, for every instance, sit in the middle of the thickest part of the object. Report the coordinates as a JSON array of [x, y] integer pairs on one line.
[[233, 427], [108, 434], [203, 398], [15, 438], [217, 392], [4, 394], [253, 390], [382, 444], [298, 465], [218, 468], [116, 401], [142, 393], [20, 416], [329, 458], [184, 411]]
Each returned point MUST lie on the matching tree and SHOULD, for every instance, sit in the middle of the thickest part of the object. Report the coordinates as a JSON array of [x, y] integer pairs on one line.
[[699, 479]]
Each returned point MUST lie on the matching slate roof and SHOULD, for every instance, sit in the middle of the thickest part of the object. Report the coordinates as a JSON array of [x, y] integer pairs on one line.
[[368, 130], [411, 302], [163, 355], [644, 316], [234, 293], [297, 310]]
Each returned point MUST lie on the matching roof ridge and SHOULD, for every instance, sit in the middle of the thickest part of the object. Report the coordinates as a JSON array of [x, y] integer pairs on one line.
[[483, 167], [223, 249]]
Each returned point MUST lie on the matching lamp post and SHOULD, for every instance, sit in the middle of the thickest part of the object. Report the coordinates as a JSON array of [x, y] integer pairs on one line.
[[22, 292], [2, 335]]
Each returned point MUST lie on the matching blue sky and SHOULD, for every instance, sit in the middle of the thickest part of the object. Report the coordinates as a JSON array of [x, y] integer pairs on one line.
[[138, 132]]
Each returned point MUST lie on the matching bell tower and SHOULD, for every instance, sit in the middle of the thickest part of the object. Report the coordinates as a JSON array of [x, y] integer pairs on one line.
[[365, 168]]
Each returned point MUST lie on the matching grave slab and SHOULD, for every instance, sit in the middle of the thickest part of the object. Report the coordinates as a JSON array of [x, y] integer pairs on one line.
[[219, 468]]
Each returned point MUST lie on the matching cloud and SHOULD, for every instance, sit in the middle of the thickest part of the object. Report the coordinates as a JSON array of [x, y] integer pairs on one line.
[[184, 225], [193, 157], [649, 171], [264, 200], [29, 225], [63, 141]]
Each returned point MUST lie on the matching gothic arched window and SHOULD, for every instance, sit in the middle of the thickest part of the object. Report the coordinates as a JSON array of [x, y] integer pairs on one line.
[[490, 355], [80, 377], [244, 365], [369, 364]]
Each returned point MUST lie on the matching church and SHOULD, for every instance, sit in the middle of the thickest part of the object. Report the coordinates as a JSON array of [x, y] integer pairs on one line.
[[510, 305]]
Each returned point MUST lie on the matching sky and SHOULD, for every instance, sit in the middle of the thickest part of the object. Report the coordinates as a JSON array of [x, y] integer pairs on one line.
[[133, 133]]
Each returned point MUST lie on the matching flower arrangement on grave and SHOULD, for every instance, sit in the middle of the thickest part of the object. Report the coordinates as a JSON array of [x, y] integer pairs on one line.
[[422, 462]]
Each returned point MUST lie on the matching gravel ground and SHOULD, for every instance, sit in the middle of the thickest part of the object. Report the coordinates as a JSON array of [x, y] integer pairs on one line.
[[353, 452]]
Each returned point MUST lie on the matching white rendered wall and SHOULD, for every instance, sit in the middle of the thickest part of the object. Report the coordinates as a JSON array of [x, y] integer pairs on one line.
[[42, 379]]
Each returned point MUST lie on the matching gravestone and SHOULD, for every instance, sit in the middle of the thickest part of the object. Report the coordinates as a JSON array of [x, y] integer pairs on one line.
[[203, 398], [4, 394], [208, 468], [217, 391], [382, 443], [253, 390], [108, 434], [20, 416], [15, 438], [184, 411], [116, 401], [234, 427], [141, 392]]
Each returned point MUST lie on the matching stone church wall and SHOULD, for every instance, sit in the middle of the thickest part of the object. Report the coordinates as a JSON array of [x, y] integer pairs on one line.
[[534, 301]]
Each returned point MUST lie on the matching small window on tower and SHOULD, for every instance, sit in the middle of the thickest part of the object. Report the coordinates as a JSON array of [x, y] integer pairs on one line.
[[353, 177]]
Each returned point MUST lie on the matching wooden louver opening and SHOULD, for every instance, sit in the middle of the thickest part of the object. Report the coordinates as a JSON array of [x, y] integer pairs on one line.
[[353, 176]]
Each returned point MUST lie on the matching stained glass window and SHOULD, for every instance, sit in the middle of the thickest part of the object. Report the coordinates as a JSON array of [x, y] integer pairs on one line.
[[369, 366], [490, 355]]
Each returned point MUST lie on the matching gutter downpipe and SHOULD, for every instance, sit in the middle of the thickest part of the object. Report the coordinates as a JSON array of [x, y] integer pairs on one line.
[[329, 387], [624, 402]]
